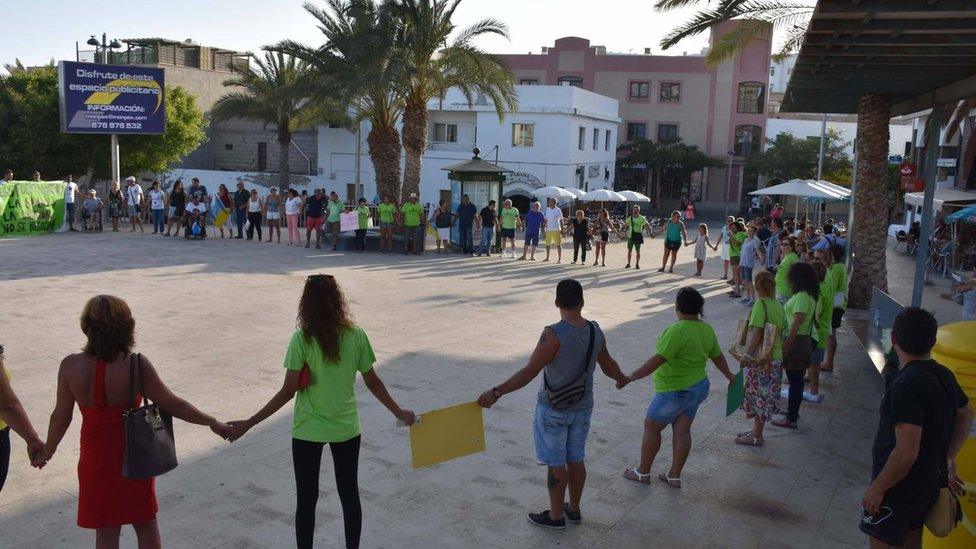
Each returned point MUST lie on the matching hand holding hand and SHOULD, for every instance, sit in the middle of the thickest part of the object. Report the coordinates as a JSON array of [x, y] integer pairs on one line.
[[36, 454], [487, 399], [238, 429], [221, 429], [406, 416], [623, 382]]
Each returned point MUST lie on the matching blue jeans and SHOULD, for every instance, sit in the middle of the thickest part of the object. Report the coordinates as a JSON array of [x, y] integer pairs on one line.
[[560, 435], [158, 224], [464, 239], [487, 235], [667, 406], [240, 217]]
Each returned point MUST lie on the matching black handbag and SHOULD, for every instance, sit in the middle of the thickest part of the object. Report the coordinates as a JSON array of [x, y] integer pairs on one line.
[[150, 448], [573, 392]]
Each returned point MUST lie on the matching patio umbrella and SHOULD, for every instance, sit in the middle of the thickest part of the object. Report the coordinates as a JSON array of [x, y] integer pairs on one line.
[[634, 196], [965, 215], [578, 193], [558, 193], [603, 195], [809, 189]]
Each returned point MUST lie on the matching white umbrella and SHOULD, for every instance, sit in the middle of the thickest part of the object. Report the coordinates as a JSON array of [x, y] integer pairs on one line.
[[634, 196], [578, 193], [603, 195], [809, 189], [558, 193]]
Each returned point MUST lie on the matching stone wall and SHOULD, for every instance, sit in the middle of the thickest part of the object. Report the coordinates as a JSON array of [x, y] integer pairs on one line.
[[235, 147]]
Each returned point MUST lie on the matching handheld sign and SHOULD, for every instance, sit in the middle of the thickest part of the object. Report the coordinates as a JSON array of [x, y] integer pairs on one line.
[[447, 434]]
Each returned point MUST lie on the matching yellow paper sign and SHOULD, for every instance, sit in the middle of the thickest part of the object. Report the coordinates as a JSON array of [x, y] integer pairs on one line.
[[446, 434], [221, 218]]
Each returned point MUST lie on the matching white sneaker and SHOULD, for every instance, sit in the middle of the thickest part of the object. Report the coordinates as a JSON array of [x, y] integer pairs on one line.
[[812, 398]]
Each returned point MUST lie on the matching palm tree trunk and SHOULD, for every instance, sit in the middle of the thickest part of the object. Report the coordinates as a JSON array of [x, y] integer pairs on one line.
[[384, 152], [869, 238], [284, 163], [415, 120]]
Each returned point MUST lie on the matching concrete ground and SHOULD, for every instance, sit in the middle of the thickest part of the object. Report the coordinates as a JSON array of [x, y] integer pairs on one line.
[[215, 317]]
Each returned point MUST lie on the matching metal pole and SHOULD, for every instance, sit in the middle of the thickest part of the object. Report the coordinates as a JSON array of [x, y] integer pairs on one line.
[[728, 186], [823, 134], [114, 139], [932, 147], [850, 214], [359, 153]]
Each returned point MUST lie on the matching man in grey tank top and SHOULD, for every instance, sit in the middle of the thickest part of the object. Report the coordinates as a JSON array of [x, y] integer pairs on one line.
[[565, 401]]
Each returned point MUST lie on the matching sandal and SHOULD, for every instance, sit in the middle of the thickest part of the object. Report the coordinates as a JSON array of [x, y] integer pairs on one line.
[[746, 439], [672, 482], [631, 473], [784, 423]]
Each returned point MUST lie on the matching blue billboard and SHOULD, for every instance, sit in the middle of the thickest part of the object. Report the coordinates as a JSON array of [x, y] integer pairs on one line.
[[118, 99]]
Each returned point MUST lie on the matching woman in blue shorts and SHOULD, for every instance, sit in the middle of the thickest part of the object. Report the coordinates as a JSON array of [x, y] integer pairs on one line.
[[674, 238], [680, 385]]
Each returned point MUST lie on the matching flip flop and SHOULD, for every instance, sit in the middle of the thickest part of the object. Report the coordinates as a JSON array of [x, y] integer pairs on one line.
[[631, 473], [746, 439], [672, 482]]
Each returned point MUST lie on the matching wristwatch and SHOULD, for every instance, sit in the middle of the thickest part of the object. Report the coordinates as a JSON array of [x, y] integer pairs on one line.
[[496, 392]]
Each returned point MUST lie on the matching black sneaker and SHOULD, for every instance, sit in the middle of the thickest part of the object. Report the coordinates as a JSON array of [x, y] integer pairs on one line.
[[542, 519], [573, 518]]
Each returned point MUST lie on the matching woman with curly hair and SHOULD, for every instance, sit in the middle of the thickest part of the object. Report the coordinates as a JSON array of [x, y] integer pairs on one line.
[[324, 356], [801, 311]]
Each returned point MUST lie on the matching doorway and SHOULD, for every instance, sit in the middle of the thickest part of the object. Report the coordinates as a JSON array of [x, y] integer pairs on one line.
[[520, 202]]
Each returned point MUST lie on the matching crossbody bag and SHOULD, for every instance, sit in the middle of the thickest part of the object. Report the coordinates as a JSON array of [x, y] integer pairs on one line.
[[573, 392]]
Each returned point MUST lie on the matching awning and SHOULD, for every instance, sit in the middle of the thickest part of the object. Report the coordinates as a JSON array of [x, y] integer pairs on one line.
[[807, 188], [965, 215], [918, 52], [942, 196]]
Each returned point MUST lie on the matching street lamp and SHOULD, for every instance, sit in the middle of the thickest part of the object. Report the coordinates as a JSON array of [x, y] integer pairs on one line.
[[105, 45]]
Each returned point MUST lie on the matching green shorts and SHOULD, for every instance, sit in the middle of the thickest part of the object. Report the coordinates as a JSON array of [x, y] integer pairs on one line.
[[734, 260]]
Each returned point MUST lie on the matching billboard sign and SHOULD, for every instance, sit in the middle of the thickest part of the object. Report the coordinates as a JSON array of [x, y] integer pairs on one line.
[[119, 99]]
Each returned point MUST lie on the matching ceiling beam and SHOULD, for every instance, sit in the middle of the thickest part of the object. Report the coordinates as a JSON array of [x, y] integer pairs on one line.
[[891, 25], [913, 50]]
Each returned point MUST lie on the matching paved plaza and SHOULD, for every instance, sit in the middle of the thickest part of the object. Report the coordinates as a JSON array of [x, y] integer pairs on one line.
[[215, 317]]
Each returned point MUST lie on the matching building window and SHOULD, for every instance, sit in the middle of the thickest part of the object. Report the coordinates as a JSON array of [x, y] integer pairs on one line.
[[574, 81], [228, 146], [748, 139], [523, 135], [606, 141], [640, 91], [752, 97], [772, 71], [528, 82], [262, 157], [445, 133], [582, 138], [667, 132], [636, 130], [596, 139], [670, 92]]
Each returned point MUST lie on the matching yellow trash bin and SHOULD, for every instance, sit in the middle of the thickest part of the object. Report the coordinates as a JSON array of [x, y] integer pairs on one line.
[[955, 349]]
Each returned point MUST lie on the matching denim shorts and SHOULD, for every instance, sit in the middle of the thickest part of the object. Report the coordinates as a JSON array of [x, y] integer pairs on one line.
[[560, 435], [667, 406], [745, 273], [532, 239]]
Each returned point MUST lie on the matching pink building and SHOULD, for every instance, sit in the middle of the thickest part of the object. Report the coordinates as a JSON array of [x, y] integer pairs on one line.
[[720, 110]]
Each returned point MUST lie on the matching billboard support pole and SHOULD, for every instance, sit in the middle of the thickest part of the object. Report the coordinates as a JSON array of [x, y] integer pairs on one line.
[[114, 152]]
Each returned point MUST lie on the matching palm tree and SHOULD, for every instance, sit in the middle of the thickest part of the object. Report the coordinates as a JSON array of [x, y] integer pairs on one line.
[[356, 68], [274, 91], [434, 63], [755, 18]]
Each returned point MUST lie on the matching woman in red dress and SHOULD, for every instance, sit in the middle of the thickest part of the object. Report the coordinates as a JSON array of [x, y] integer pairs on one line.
[[98, 380]]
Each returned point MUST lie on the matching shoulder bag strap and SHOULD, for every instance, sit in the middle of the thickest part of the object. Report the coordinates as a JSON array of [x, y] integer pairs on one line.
[[589, 348], [132, 379], [142, 386]]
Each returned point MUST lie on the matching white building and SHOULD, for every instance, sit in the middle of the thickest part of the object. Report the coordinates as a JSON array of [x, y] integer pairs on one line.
[[561, 135], [780, 72], [900, 133]]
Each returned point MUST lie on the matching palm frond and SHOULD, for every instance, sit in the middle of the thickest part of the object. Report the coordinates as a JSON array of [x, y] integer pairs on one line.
[[668, 5], [736, 40]]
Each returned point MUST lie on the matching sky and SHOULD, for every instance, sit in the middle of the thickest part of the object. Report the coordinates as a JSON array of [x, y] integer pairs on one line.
[[247, 25]]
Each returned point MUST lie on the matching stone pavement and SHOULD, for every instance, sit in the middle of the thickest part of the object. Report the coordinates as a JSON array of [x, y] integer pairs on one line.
[[215, 318]]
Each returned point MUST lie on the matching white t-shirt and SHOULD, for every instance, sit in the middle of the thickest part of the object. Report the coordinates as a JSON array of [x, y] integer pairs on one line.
[[553, 215], [133, 195], [155, 200], [69, 192], [293, 206], [196, 208]]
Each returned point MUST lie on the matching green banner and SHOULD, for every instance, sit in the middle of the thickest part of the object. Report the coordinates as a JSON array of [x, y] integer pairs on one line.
[[31, 207]]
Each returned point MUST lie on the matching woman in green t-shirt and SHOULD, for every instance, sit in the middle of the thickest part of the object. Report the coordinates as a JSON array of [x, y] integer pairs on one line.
[[736, 239], [787, 250], [680, 385], [323, 358], [363, 214], [801, 314], [635, 225], [762, 382]]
